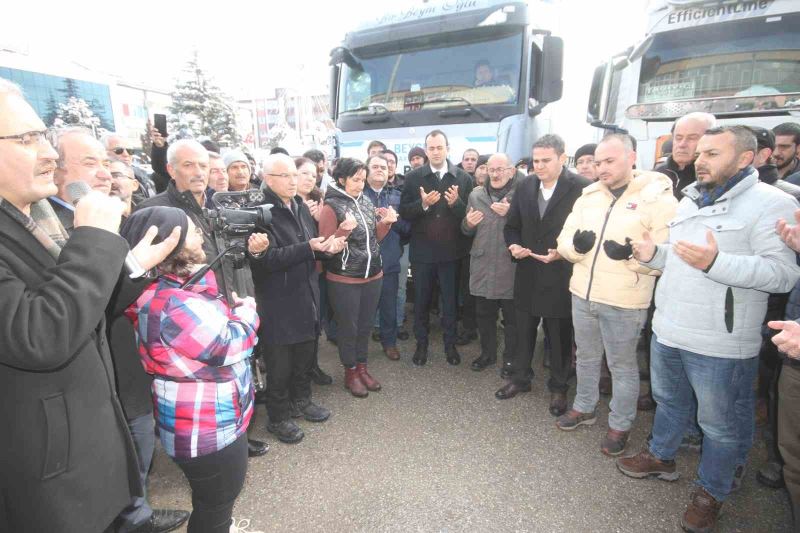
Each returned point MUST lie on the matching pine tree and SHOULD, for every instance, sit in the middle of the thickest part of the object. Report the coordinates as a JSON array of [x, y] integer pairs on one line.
[[76, 112], [201, 107]]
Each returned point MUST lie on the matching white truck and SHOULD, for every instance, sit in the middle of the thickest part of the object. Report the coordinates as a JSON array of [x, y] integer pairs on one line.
[[739, 60], [477, 69]]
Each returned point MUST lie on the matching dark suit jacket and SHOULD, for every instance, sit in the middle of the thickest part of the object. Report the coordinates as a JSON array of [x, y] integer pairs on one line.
[[436, 235], [286, 278], [542, 289], [68, 463]]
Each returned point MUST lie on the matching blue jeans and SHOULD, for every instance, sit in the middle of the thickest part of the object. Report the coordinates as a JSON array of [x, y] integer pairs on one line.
[[387, 310], [144, 439], [725, 392]]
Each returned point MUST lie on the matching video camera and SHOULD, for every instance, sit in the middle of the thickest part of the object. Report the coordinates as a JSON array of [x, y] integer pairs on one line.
[[236, 216]]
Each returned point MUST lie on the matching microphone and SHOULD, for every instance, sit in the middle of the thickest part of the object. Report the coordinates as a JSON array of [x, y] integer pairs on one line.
[[75, 192]]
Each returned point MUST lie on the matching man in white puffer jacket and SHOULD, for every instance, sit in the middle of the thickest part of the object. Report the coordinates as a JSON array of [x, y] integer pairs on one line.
[[722, 260]]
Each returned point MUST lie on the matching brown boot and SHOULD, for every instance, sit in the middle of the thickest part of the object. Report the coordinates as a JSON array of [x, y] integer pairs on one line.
[[370, 382], [392, 352], [702, 513], [644, 464], [352, 382]]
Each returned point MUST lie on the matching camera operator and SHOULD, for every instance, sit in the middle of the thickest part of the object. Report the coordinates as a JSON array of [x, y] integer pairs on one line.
[[287, 293], [69, 463], [188, 165]]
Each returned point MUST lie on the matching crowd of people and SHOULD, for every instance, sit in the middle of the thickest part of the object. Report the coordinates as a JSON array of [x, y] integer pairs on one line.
[[121, 325]]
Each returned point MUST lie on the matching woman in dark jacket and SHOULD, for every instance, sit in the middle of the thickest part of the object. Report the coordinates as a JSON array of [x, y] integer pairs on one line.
[[354, 275]]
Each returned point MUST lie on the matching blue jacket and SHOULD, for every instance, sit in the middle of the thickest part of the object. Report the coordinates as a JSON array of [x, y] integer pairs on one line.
[[392, 244]]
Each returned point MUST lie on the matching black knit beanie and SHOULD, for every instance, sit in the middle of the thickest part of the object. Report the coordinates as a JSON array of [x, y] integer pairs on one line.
[[164, 218]]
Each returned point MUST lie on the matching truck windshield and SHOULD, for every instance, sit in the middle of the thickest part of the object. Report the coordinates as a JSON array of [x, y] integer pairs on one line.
[[444, 72], [743, 58]]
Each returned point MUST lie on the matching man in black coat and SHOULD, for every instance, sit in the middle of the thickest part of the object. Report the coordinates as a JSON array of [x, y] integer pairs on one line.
[[541, 288], [685, 135], [287, 294], [434, 201], [68, 461]]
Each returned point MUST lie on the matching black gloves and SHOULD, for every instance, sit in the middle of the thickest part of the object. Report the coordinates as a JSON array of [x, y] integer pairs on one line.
[[617, 251], [583, 241]]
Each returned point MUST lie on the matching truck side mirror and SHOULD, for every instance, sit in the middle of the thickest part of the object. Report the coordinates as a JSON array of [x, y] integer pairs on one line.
[[551, 82], [594, 113]]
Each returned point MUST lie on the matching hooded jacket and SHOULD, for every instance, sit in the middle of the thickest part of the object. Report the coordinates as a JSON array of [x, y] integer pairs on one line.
[[646, 205], [361, 257], [719, 313]]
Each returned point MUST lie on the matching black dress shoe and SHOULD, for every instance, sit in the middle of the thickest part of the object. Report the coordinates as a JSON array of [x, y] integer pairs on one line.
[[481, 363], [511, 389], [256, 448], [452, 354], [420, 355], [319, 376], [508, 369], [286, 431], [163, 520], [402, 334], [466, 337]]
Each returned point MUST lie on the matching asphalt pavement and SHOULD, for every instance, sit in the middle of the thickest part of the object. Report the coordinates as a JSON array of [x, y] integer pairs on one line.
[[435, 451]]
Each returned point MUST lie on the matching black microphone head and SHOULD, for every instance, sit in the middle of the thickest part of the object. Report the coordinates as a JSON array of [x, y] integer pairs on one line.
[[77, 190]]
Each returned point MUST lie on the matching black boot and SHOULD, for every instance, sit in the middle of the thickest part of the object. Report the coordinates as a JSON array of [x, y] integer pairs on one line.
[[420, 355], [452, 354], [319, 376]]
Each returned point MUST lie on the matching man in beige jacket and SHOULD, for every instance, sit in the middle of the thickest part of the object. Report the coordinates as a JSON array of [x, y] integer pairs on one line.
[[610, 290]]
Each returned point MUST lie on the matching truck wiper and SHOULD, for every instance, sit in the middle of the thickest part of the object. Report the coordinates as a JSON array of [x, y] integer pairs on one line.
[[380, 113], [452, 112]]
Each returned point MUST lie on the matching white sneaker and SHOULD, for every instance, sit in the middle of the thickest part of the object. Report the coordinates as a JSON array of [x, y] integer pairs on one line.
[[240, 526]]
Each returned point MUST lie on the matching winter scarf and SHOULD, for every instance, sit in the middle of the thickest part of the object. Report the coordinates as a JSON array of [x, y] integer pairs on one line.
[[43, 224]]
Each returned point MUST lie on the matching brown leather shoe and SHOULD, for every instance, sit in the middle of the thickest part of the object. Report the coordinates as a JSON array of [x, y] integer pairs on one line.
[[614, 442], [392, 352], [644, 464], [352, 382], [368, 381], [558, 403], [702, 513], [573, 418], [511, 389]]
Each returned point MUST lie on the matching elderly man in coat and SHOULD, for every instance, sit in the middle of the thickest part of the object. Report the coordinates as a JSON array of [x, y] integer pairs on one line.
[[68, 461], [541, 291], [491, 279], [722, 260]]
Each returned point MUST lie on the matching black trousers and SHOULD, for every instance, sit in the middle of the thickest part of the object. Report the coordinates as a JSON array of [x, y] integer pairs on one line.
[[486, 314], [216, 480], [288, 368], [559, 331], [466, 301], [425, 274], [354, 306]]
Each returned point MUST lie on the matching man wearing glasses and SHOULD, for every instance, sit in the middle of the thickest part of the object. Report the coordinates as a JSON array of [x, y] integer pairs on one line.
[[118, 149], [536, 217]]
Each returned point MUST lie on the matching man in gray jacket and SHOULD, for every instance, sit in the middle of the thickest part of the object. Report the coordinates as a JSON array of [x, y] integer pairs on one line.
[[491, 279], [722, 261]]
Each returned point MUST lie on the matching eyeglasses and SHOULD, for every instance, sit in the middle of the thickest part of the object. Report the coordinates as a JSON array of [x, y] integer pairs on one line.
[[120, 175], [283, 175], [497, 170], [119, 150], [29, 138]]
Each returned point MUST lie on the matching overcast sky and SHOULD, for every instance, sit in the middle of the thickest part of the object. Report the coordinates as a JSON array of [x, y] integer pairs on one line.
[[251, 47]]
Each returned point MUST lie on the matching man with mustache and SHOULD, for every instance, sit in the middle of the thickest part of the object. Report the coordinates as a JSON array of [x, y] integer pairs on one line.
[[722, 260], [685, 134]]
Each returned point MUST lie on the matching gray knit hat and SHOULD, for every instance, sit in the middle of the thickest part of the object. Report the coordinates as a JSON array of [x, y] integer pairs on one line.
[[233, 156]]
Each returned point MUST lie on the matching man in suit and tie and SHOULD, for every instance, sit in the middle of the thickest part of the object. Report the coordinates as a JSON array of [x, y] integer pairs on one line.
[[434, 201], [541, 289]]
